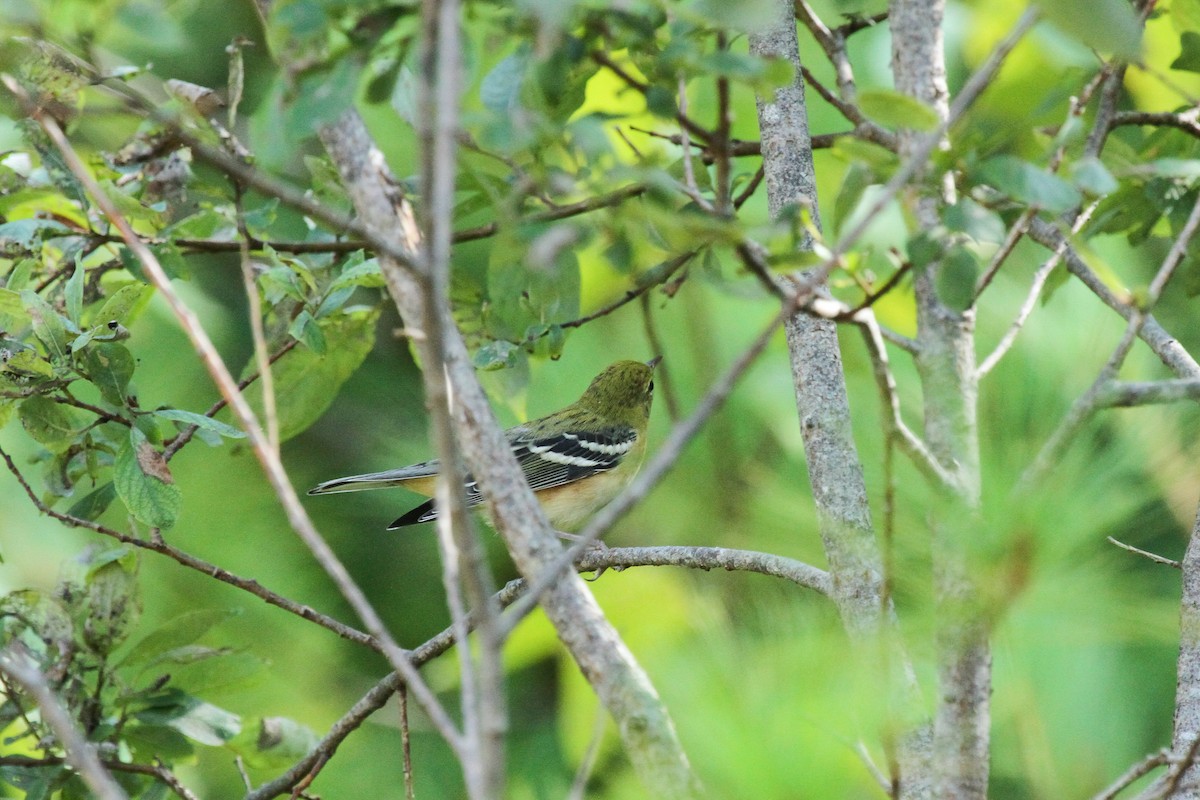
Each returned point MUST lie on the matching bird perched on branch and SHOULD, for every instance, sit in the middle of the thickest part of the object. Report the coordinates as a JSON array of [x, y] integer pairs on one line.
[[576, 460]]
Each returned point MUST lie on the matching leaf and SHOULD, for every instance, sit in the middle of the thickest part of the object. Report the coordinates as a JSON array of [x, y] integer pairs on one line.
[[956, 278], [894, 110], [495, 355], [110, 367], [124, 304], [500, 90], [111, 603], [13, 316], [144, 482], [273, 742], [200, 421], [48, 325], [51, 424], [365, 273], [306, 382], [39, 612], [1091, 177], [95, 503], [197, 720], [305, 329], [981, 224], [1189, 52], [175, 633], [73, 293], [1025, 182], [1110, 26], [856, 180]]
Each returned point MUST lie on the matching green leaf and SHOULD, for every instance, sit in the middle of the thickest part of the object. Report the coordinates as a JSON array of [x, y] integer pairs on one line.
[[956, 278], [306, 329], [26, 364], [73, 294], [500, 89], [306, 382], [144, 482], [36, 611], [1025, 182], [923, 249], [13, 316], [273, 742], [495, 355], [981, 224], [51, 424], [199, 721], [1189, 52], [364, 273], [1110, 26], [200, 421], [894, 110], [124, 305], [182, 630], [110, 367], [1091, 177], [110, 603], [95, 503], [858, 177], [48, 325]]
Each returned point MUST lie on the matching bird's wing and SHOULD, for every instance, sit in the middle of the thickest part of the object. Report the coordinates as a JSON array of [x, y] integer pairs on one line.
[[555, 459]]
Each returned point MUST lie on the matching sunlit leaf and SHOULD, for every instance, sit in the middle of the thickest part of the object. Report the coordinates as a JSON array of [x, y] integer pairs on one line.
[[894, 109]]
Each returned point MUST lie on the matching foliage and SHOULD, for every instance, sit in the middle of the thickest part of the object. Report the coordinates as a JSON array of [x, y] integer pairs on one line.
[[575, 197]]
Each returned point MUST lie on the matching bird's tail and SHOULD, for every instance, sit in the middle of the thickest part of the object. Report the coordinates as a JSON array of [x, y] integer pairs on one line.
[[405, 476]]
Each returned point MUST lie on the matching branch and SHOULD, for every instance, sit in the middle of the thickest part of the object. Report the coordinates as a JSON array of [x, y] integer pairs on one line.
[[1157, 559], [268, 459], [1125, 394], [156, 771], [646, 728], [159, 545], [1141, 768], [80, 753], [1162, 343], [616, 558], [1089, 401]]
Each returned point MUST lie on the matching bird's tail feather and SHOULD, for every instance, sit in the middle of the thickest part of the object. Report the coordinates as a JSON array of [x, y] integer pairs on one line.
[[376, 480]]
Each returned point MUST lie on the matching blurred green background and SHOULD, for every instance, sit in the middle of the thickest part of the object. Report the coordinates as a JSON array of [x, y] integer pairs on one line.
[[765, 692]]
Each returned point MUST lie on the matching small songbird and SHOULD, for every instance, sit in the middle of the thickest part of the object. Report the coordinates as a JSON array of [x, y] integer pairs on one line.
[[576, 460]]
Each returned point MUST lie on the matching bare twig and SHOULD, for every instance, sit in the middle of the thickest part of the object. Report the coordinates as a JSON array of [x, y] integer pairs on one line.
[[1126, 394], [1138, 770], [1157, 559], [1162, 343], [159, 545], [1088, 402]]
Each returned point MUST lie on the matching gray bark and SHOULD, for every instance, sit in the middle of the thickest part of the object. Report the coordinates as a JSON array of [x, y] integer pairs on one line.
[[834, 468], [946, 364]]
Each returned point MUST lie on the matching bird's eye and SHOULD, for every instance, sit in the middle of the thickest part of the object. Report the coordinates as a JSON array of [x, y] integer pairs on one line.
[[651, 386]]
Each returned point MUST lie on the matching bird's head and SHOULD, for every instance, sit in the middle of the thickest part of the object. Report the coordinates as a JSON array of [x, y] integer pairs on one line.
[[623, 391]]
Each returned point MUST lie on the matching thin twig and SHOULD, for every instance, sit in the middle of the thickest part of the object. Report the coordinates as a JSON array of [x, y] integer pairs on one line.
[[1138, 770], [160, 546], [1157, 559], [1087, 403], [258, 333]]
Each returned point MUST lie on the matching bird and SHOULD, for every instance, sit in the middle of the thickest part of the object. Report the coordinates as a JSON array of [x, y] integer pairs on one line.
[[576, 460]]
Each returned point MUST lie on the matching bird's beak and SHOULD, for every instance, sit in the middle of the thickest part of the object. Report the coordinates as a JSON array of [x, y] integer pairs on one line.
[[652, 363]]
